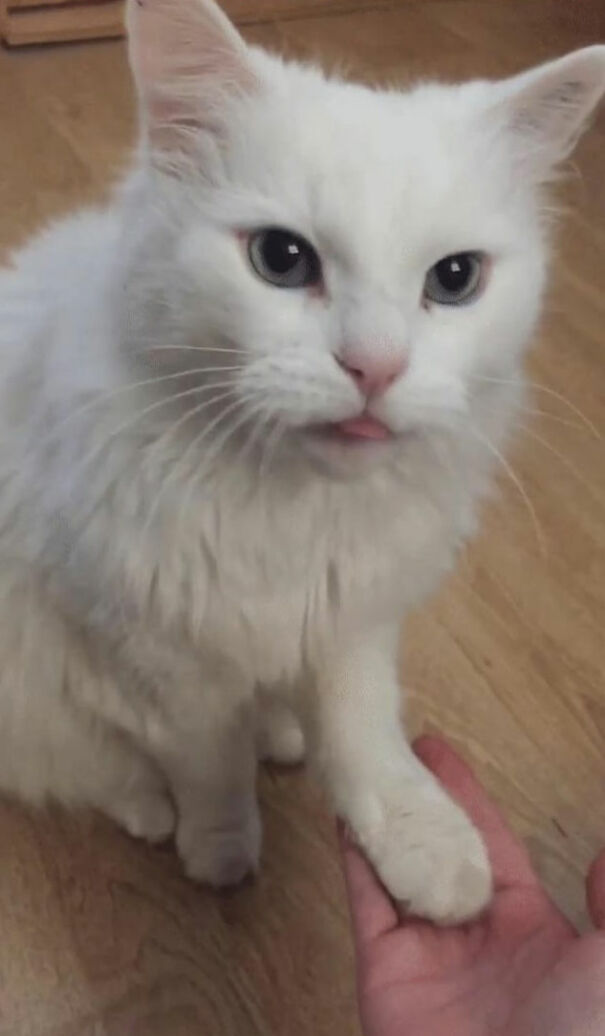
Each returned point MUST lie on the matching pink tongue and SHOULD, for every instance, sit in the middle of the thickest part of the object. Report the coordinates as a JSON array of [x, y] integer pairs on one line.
[[363, 428]]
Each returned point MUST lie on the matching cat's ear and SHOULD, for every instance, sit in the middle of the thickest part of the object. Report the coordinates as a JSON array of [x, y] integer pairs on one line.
[[188, 62], [547, 108]]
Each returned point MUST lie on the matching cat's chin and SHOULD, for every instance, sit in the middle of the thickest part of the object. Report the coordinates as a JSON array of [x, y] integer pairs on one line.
[[338, 452]]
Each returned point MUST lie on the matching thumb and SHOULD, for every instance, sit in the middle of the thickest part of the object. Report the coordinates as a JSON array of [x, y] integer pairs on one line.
[[372, 912], [595, 890]]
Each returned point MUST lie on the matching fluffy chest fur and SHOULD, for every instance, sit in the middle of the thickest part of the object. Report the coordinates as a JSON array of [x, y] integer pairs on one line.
[[279, 575], [270, 571]]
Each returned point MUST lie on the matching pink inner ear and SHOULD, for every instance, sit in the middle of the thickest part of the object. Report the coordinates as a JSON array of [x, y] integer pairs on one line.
[[182, 50]]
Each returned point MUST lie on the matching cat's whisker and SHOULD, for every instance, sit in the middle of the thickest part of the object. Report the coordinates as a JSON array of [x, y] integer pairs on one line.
[[190, 348], [590, 425], [220, 444], [172, 429], [510, 471], [174, 471], [197, 442], [534, 412], [263, 418], [106, 397], [251, 409], [536, 386], [270, 449], [130, 423], [561, 458]]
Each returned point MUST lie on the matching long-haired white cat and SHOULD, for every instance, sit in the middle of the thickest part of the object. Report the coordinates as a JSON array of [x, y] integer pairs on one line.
[[247, 413]]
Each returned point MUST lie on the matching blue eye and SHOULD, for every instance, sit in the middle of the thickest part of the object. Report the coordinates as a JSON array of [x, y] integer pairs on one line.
[[283, 258], [455, 279]]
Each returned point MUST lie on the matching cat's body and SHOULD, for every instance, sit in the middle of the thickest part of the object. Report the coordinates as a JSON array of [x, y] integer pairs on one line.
[[175, 576]]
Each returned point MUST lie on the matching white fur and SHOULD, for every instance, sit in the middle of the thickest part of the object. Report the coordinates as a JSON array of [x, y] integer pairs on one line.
[[161, 566]]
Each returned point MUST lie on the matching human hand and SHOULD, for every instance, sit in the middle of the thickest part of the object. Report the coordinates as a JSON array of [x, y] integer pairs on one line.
[[521, 970]]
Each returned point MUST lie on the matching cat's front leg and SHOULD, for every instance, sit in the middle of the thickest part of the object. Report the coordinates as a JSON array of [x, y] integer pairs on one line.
[[212, 778], [423, 846]]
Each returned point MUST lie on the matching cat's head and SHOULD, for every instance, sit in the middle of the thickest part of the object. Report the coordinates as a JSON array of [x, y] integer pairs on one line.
[[349, 264]]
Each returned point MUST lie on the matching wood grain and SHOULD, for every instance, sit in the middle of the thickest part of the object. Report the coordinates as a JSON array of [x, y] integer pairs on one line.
[[16, 5], [102, 936], [63, 22], [50, 21], [42, 21]]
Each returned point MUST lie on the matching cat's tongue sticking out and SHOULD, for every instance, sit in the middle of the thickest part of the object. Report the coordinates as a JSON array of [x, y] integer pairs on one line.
[[362, 427]]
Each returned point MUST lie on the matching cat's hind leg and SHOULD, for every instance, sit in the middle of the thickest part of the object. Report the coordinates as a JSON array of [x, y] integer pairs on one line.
[[81, 762], [54, 742], [127, 787]]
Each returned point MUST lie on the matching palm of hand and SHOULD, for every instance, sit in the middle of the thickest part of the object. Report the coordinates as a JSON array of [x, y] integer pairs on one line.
[[521, 971]]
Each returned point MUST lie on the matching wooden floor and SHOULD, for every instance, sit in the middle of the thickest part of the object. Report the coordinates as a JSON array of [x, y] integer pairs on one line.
[[101, 936]]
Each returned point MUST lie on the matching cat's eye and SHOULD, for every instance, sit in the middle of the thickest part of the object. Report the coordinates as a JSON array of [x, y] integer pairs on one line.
[[455, 279], [283, 258]]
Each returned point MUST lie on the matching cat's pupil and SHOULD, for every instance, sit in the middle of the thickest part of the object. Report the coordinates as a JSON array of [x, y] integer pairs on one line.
[[281, 251], [454, 272], [283, 258]]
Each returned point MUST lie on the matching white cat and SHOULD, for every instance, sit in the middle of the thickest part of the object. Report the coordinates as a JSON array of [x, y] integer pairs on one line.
[[247, 413]]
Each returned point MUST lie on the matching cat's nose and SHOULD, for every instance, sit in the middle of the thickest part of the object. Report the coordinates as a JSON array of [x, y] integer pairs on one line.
[[373, 371]]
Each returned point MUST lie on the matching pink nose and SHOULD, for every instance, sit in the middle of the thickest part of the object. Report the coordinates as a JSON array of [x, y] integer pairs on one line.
[[373, 372]]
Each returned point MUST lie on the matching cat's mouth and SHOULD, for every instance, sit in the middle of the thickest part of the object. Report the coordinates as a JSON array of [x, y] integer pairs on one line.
[[361, 429]]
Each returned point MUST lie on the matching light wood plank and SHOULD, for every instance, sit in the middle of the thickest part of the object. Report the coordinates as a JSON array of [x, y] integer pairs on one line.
[[64, 24], [52, 21]]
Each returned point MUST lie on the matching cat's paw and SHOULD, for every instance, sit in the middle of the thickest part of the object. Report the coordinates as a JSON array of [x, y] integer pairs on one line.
[[219, 855], [430, 857], [280, 736], [145, 814]]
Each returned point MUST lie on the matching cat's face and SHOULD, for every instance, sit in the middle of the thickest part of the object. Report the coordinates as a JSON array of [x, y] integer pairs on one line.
[[365, 263], [369, 266]]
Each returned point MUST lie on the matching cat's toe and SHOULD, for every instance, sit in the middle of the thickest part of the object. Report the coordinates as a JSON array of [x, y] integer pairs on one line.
[[149, 815], [434, 863], [446, 883]]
